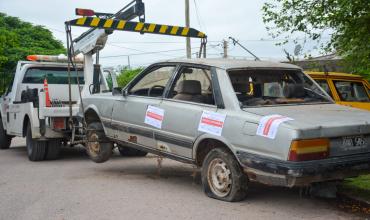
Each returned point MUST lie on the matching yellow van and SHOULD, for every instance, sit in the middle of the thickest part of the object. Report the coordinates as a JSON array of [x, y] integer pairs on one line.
[[346, 89]]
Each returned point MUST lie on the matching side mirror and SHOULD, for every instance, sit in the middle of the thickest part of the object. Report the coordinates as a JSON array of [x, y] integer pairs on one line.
[[124, 92], [117, 91]]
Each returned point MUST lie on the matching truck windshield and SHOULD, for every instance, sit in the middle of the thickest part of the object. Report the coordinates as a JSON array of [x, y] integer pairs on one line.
[[351, 91], [263, 87], [54, 75]]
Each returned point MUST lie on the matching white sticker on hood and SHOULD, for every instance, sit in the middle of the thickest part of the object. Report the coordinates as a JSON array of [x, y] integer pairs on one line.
[[269, 125], [154, 116], [212, 123]]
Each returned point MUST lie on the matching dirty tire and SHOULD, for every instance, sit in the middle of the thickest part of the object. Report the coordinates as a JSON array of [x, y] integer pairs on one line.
[[53, 149], [5, 139], [131, 152], [222, 176], [99, 152], [36, 149]]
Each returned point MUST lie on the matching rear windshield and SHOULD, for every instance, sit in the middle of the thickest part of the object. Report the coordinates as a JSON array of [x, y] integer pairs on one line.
[[54, 75], [263, 87]]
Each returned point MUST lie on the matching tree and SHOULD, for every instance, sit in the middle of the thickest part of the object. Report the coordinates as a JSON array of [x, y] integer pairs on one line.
[[127, 75], [19, 39], [347, 21]]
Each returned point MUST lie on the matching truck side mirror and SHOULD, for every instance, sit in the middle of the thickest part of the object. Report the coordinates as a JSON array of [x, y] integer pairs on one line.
[[124, 92]]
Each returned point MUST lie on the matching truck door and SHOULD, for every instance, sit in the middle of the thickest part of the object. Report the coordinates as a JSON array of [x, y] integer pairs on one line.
[[132, 115]]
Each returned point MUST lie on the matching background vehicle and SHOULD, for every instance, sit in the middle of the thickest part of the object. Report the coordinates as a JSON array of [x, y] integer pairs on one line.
[[25, 113], [346, 89]]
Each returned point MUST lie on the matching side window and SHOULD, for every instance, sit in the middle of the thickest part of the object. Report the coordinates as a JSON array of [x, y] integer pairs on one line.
[[324, 84], [154, 82], [351, 91], [193, 85]]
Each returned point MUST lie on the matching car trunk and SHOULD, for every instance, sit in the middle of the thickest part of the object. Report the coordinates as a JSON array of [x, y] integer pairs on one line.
[[347, 128]]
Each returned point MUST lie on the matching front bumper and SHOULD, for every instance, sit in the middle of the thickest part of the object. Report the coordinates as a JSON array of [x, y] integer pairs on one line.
[[287, 173]]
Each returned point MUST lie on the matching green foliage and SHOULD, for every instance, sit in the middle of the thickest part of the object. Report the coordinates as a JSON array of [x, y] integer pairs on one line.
[[19, 39], [127, 75], [349, 22]]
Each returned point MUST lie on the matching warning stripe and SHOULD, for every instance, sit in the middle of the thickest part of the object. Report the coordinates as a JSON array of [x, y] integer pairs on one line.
[[212, 122], [269, 122], [154, 116], [132, 26]]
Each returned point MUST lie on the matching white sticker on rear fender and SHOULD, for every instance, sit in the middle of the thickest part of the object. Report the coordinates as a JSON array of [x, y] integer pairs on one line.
[[154, 116], [212, 122], [269, 125]]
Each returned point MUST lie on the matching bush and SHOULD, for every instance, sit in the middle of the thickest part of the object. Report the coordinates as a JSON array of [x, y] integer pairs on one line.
[[127, 75]]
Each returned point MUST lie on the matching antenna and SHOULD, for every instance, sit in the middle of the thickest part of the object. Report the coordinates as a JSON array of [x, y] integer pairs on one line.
[[237, 42]]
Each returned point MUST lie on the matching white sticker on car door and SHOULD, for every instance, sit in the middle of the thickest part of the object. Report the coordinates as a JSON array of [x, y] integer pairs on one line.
[[212, 122], [268, 125], [154, 116]]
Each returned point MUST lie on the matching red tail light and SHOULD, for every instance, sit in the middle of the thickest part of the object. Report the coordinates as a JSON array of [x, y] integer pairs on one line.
[[313, 149]]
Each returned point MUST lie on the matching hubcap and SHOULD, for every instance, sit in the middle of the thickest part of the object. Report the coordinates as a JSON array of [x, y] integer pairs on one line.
[[93, 144], [219, 177]]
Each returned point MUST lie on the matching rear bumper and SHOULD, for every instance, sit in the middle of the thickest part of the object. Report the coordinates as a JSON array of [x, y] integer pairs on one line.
[[290, 174]]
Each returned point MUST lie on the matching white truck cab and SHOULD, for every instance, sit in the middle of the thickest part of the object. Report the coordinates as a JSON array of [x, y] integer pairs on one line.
[[25, 113]]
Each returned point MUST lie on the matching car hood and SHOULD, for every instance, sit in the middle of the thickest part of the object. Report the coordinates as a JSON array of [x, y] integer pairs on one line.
[[320, 120]]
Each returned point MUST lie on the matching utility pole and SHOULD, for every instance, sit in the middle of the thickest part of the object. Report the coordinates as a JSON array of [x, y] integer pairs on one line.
[[128, 62], [225, 48], [187, 24]]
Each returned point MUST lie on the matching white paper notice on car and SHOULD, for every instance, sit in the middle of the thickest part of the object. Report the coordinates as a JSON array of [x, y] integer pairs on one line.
[[212, 122], [154, 116], [269, 125]]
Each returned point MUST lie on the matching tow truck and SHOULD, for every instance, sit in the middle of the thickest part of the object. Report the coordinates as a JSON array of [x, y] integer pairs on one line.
[[42, 102]]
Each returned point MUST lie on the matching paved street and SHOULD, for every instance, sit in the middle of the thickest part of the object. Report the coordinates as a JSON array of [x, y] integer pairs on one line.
[[130, 188]]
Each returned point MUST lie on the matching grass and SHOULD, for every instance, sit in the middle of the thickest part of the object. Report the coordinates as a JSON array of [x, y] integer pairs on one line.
[[359, 187]]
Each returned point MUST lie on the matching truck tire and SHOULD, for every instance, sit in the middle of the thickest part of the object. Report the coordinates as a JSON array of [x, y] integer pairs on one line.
[[222, 176], [131, 152], [36, 149], [98, 147], [5, 139], [53, 149]]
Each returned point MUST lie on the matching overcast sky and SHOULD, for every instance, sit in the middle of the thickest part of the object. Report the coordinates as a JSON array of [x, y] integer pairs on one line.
[[241, 19]]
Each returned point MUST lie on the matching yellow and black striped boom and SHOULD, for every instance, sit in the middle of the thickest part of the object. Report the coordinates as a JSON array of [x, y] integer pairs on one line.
[[123, 25]]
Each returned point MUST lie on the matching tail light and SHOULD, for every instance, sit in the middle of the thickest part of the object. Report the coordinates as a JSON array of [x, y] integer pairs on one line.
[[59, 123], [312, 149], [84, 12]]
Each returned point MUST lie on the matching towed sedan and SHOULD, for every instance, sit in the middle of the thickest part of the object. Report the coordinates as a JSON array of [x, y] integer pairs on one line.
[[238, 120]]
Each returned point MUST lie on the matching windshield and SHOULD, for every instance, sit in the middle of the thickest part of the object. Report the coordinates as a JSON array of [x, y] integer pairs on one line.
[[54, 75], [263, 87], [351, 91]]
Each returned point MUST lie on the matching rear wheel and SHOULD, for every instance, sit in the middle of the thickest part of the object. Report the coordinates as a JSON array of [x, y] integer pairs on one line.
[[36, 149], [53, 149], [5, 139], [98, 147], [131, 152], [222, 176]]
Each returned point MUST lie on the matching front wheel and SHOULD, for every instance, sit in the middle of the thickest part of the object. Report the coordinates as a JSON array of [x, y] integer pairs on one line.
[[222, 176], [98, 147], [5, 139]]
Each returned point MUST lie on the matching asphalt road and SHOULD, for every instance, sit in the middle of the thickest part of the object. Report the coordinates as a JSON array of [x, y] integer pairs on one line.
[[130, 188]]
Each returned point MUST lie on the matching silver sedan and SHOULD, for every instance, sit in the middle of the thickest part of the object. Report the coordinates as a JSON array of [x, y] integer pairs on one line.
[[238, 120]]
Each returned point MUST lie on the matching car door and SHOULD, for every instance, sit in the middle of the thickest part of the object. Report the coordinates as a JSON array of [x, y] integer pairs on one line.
[[183, 111], [131, 118]]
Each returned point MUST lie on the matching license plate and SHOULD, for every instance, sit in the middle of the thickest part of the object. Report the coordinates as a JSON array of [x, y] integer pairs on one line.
[[354, 142]]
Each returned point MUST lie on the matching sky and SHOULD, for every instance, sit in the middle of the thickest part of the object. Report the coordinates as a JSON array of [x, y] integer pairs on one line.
[[241, 19]]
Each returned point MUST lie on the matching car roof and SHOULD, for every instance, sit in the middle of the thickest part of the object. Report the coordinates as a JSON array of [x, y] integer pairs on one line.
[[333, 74], [235, 63]]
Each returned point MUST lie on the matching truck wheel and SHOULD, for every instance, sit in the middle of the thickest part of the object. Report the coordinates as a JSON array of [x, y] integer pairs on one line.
[[35, 149], [98, 147], [131, 152], [5, 139], [222, 176], [53, 149]]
